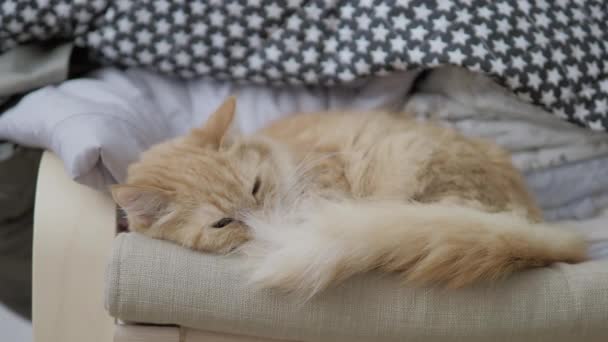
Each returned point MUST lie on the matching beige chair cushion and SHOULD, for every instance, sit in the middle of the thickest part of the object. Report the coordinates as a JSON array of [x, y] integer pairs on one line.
[[154, 281]]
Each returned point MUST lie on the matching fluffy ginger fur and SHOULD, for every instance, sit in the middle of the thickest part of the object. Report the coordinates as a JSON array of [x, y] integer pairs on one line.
[[426, 243], [316, 198]]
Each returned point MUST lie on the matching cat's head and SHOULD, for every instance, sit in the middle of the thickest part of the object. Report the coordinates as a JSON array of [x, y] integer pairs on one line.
[[197, 189]]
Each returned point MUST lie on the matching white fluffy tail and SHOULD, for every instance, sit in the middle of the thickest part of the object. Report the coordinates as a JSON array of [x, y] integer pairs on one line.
[[428, 243]]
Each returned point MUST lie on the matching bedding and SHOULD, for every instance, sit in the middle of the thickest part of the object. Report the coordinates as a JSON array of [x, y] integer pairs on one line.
[[550, 53], [28, 67], [99, 124], [478, 106], [596, 232], [573, 190]]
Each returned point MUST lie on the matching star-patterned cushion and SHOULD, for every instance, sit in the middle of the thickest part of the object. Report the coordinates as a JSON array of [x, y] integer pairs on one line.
[[553, 53]]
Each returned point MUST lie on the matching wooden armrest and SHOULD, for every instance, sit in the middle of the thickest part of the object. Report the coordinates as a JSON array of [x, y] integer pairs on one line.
[[73, 231]]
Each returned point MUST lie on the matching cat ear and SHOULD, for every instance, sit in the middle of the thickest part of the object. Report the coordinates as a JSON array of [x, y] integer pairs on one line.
[[143, 205], [217, 127]]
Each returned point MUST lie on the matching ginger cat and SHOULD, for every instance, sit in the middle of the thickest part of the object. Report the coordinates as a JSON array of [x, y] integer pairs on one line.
[[316, 198]]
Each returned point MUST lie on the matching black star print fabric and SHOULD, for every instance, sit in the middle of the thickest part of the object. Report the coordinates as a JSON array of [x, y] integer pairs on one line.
[[553, 53]]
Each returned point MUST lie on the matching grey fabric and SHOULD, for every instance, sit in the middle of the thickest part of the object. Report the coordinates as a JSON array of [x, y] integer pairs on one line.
[[154, 281], [571, 191], [550, 53], [17, 187], [100, 124], [477, 106], [28, 67], [22, 68]]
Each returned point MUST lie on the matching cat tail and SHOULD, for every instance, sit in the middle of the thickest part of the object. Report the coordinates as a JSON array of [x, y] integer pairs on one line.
[[426, 243]]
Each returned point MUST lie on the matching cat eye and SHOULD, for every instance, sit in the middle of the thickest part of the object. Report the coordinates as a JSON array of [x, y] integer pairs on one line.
[[256, 186], [222, 223]]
